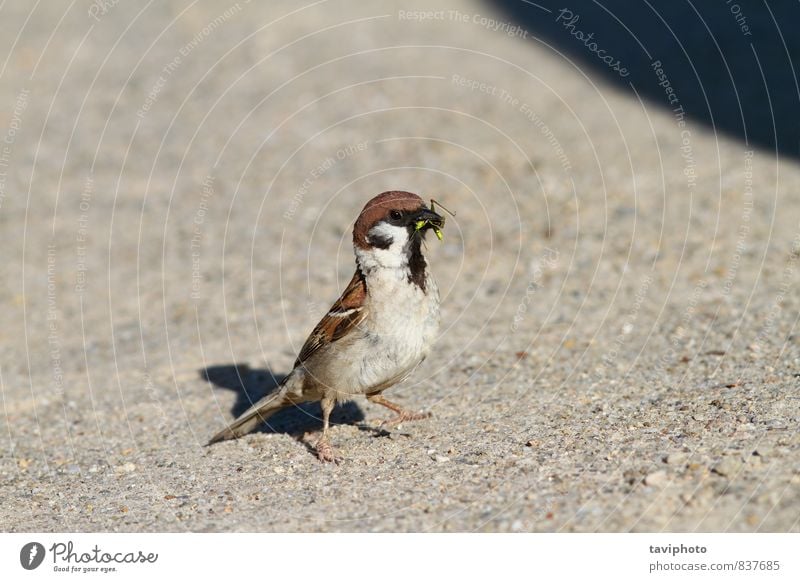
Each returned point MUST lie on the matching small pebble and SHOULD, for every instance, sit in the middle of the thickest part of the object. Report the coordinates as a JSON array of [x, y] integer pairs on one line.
[[656, 479], [676, 459], [766, 451], [776, 425], [727, 467]]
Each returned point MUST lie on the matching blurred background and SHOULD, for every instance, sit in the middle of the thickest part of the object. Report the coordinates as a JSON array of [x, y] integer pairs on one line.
[[178, 184]]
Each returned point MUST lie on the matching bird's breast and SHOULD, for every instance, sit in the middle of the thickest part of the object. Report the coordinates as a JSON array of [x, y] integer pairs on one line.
[[401, 327]]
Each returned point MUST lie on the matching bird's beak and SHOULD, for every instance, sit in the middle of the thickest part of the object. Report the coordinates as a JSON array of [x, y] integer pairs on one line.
[[427, 218]]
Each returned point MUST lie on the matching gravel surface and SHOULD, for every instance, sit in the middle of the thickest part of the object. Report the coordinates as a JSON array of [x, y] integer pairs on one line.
[[619, 348]]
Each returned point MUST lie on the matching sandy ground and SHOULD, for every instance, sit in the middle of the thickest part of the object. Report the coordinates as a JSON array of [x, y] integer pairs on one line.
[[620, 344]]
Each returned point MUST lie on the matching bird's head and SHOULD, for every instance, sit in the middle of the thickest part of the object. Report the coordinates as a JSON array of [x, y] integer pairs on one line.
[[391, 227]]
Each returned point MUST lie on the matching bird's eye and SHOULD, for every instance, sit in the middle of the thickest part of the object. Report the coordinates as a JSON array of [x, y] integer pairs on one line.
[[396, 215]]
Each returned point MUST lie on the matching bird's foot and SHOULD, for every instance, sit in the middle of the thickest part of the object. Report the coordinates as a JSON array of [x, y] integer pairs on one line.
[[404, 416], [325, 451]]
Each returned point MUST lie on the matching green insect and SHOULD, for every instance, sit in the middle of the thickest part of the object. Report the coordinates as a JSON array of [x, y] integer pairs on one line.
[[437, 228]]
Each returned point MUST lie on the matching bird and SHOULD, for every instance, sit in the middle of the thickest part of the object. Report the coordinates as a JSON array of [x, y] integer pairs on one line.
[[374, 336]]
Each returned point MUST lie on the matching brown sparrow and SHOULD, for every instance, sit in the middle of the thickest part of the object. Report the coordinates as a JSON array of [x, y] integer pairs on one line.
[[377, 332]]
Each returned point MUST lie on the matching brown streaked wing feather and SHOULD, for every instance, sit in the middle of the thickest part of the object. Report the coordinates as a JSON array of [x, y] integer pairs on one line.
[[337, 322]]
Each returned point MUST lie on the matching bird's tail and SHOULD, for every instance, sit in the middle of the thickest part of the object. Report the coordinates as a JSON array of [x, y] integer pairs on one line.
[[254, 416]]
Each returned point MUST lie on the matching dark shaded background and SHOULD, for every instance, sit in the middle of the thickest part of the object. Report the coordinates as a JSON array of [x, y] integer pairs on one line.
[[744, 85]]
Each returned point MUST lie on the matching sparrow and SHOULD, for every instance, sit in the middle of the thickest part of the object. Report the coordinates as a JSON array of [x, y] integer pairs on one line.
[[379, 330]]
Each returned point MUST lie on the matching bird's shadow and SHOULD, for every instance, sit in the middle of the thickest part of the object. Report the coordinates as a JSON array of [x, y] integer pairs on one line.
[[250, 385]]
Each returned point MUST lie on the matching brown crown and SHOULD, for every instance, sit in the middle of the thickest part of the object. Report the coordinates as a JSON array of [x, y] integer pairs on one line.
[[379, 208]]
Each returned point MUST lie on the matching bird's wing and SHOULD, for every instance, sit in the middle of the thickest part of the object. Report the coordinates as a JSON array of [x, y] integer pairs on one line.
[[344, 315]]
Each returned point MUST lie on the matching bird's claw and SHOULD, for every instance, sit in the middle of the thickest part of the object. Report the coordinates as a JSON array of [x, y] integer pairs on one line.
[[325, 452]]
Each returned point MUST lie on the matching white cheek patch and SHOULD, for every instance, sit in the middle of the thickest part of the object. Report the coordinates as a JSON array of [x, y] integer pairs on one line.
[[395, 236], [379, 237], [393, 239]]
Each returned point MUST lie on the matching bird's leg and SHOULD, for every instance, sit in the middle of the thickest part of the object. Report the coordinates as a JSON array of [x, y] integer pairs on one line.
[[324, 448], [402, 414]]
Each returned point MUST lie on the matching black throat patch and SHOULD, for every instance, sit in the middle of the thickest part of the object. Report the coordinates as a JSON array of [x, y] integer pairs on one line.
[[416, 261]]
